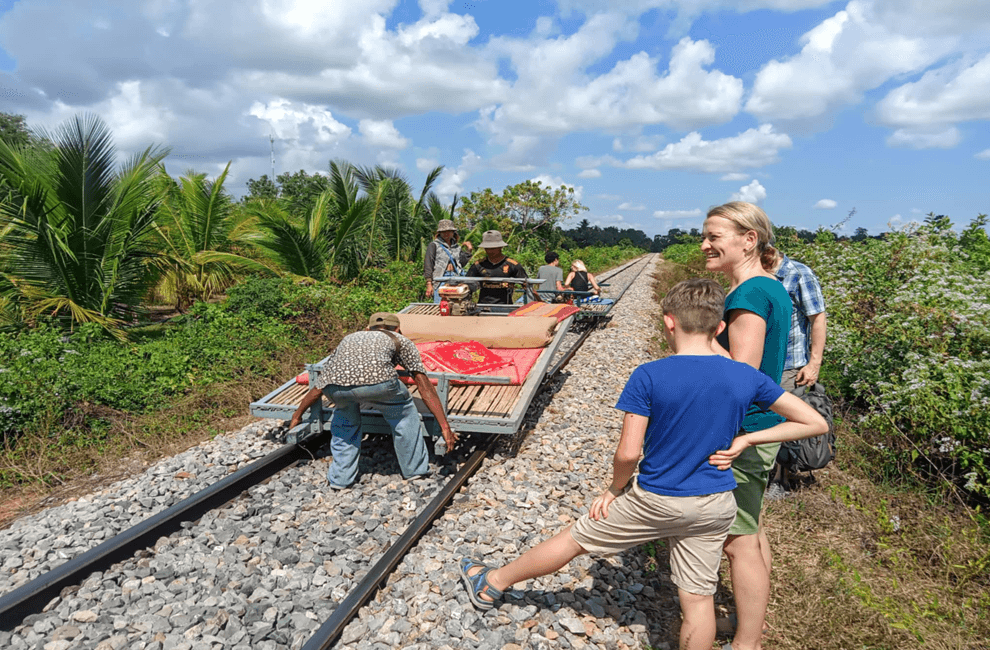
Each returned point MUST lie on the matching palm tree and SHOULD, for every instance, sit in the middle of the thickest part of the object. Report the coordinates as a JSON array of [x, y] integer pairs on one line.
[[76, 228], [302, 249], [202, 232], [332, 239], [401, 222]]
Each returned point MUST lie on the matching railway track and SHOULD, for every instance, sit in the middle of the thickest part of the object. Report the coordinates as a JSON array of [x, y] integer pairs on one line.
[[197, 549]]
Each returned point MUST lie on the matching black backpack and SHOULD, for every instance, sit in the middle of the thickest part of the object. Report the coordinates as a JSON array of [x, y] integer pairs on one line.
[[816, 452]]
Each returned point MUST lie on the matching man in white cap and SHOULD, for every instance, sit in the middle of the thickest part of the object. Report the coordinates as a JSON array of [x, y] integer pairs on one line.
[[444, 256], [362, 371], [495, 265]]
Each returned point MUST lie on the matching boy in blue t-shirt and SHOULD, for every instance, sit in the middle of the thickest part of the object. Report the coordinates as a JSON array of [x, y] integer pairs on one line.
[[679, 412]]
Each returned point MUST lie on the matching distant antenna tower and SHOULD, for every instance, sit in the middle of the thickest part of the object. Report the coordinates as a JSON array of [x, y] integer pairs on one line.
[[271, 139]]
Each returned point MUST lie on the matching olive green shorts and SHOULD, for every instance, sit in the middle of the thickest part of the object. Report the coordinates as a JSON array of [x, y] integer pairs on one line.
[[751, 471]]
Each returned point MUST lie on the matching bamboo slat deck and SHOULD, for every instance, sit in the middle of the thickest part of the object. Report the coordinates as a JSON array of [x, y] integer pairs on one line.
[[476, 401], [427, 310]]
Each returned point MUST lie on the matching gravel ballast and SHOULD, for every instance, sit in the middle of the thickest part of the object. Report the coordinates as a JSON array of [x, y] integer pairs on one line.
[[267, 569]]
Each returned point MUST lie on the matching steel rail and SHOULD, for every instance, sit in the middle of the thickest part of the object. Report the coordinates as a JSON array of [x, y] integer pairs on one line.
[[328, 633], [31, 598]]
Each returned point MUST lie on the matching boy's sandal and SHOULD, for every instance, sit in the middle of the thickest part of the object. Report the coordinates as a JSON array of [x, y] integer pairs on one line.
[[478, 584]]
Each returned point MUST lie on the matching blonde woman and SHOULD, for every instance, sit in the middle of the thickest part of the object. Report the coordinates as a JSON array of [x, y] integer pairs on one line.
[[738, 242], [580, 280]]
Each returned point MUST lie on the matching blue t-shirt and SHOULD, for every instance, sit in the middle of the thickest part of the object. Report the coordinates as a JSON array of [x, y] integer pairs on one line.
[[768, 299], [695, 405]]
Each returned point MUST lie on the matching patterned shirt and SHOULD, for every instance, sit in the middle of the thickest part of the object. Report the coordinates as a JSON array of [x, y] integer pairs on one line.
[[806, 297], [368, 357]]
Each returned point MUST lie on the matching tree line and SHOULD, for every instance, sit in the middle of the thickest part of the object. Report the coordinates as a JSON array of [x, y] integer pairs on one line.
[[88, 238]]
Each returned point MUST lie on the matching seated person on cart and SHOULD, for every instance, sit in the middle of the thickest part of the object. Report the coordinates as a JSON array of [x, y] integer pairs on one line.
[[362, 371], [495, 265], [553, 277], [580, 280]]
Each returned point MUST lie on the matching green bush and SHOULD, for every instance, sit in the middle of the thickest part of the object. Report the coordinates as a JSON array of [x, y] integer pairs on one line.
[[909, 343], [265, 296], [684, 254]]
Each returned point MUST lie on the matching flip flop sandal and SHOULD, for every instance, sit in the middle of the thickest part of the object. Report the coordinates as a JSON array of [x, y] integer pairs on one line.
[[478, 584]]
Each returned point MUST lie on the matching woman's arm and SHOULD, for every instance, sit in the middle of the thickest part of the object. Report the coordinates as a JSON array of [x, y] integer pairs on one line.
[[570, 278], [802, 422], [594, 283], [747, 332]]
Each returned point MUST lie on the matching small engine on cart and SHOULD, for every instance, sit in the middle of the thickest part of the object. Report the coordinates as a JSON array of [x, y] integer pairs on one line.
[[458, 298]]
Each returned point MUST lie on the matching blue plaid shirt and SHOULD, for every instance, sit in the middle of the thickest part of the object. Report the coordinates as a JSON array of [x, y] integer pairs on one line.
[[806, 297]]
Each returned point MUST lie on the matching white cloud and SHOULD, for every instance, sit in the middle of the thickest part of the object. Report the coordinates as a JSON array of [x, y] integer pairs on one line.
[[752, 193], [927, 109], [554, 182], [452, 180], [418, 68], [426, 164], [752, 148], [590, 173], [925, 138], [843, 57], [554, 94], [287, 120], [433, 8], [983, 155], [826, 204], [382, 133], [735, 177], [678, 214], [634, 207]]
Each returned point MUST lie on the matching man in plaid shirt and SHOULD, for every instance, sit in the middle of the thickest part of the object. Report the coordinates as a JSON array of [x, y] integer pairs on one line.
[[806, 341]]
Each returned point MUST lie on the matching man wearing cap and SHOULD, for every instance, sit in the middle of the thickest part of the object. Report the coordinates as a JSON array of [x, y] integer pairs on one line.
[[495, 265], [362, 371], [444, 256]]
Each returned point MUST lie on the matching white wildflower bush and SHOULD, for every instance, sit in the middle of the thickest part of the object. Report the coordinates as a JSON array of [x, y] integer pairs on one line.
[[909, 341]]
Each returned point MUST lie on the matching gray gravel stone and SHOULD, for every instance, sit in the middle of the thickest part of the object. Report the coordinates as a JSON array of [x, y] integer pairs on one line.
[[268, 568]]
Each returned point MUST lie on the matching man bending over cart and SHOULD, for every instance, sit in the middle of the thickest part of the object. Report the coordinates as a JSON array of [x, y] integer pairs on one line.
[[362, 370]]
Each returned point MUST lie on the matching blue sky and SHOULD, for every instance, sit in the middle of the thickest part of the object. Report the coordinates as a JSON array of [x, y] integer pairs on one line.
[[653, 110]]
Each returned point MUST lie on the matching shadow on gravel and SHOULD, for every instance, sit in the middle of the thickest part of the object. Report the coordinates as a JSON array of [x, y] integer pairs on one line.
[[510, 445]]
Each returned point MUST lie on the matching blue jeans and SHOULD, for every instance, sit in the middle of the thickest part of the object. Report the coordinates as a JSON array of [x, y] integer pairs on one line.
[[390, 398]]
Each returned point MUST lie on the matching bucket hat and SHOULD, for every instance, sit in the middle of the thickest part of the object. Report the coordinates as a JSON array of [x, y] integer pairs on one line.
[[445, 224], [492, 239], [383, 318]]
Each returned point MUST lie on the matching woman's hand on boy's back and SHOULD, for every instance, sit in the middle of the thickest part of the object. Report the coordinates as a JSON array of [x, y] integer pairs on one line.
[[723, 458]]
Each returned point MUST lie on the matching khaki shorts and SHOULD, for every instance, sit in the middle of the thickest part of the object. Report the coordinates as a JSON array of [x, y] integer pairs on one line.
[[697, 527], [751, 471]]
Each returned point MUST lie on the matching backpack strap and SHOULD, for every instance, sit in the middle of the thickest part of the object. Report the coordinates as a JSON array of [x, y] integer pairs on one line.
[[453, 262], [395, 341]]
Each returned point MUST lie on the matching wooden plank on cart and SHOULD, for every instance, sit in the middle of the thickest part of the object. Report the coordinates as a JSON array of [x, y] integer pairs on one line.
[[508, 398]]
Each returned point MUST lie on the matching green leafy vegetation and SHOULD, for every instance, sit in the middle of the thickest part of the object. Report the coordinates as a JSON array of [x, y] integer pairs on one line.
[[909, 347], [56, 387], [75, 229]]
